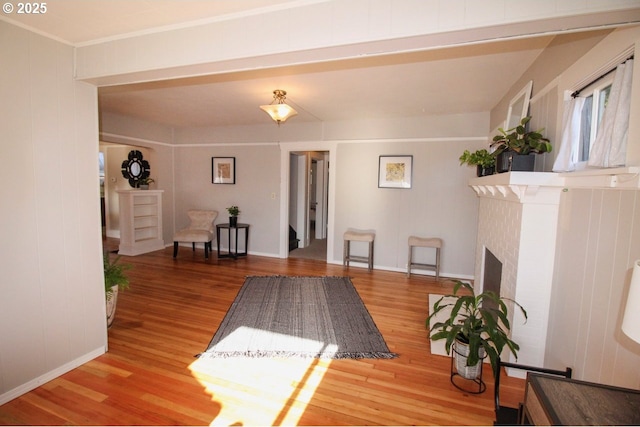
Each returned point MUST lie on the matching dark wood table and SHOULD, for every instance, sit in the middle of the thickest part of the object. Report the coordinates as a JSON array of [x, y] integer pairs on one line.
[[561, 401], [233, 254]]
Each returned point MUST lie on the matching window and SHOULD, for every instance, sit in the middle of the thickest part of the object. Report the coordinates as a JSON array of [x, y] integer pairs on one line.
[[596, 98]]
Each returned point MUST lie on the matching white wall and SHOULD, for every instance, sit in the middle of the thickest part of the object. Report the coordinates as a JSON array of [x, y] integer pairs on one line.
[[598, 235], [439, 204], [52, 309], [599, 239], [257, 177]]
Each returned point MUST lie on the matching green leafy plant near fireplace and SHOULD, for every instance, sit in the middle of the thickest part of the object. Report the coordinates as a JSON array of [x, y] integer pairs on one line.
[[479, 323]]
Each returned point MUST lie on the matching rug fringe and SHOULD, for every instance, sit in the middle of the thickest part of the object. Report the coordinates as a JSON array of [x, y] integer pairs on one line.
[[294, 354]]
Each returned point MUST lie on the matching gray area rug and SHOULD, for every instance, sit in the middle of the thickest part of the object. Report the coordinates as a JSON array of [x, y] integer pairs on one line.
[[318, 317]]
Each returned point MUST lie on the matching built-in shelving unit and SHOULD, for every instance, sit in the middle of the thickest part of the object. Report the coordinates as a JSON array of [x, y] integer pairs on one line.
[[140, 221]]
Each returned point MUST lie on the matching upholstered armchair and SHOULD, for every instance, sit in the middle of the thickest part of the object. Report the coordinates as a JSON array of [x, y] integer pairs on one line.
[[200, 230]]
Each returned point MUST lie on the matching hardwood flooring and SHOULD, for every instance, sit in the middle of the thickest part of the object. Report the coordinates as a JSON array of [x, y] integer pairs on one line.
[[150, 376]]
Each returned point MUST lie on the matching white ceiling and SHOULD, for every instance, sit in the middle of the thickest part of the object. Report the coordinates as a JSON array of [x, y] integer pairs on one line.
[[462, 79], [459, 80]]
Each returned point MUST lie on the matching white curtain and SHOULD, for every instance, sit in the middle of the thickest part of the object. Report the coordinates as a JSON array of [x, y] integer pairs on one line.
[[610, 147], [567, 157]]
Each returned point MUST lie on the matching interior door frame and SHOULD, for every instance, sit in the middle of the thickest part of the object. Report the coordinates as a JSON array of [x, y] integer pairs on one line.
[[286, 149]]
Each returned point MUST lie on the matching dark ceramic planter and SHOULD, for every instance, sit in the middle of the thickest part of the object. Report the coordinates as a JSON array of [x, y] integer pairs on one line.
[[485, 171], [508, 161], [233, 221]]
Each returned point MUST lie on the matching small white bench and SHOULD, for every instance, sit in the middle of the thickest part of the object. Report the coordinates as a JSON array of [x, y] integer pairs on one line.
[[358, 236], [424, 242]]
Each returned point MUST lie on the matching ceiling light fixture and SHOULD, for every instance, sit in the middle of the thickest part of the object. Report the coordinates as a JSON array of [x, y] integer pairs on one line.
[[278, 110]]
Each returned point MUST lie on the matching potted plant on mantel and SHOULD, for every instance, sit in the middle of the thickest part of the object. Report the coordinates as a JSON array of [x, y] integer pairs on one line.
[[234, 211], [477, 326], [484, 161], [114, 279], [516, 148]]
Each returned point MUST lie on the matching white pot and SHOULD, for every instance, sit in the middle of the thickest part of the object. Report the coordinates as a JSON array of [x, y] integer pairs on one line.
[[461, 351], [112, 300]]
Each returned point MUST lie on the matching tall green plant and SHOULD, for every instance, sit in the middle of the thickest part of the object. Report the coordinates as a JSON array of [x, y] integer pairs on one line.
[[482, 321], [114, 273]]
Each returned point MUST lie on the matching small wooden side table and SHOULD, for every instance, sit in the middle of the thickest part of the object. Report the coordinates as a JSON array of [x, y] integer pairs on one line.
[[233, 254]]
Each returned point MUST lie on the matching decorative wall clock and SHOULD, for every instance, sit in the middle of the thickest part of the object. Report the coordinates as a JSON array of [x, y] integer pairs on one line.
[[135, 168]]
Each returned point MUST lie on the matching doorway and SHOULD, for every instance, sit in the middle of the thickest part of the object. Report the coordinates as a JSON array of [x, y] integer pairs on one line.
[[308, 204]]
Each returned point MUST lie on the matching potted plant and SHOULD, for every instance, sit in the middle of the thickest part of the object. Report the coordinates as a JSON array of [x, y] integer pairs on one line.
[[234, 211], [484, 161], [477, 326], [114, 279], [143, 183], [516, 148]]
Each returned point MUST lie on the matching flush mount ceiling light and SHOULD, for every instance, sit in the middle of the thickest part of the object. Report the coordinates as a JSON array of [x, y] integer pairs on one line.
[[278, 110]]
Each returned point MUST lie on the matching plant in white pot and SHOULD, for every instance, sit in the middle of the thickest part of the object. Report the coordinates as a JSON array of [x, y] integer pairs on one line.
[[477, 326], [114, 279]]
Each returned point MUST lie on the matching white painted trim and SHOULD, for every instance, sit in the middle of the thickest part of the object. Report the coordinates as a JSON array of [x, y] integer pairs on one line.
[[42, 379], [128, 140]]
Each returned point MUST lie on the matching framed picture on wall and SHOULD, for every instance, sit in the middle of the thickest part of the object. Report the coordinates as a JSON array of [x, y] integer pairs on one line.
[[223, 170], [395, 171]]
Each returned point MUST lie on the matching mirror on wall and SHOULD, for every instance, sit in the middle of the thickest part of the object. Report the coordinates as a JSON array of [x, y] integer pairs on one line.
[[519, 106], [135, 168]]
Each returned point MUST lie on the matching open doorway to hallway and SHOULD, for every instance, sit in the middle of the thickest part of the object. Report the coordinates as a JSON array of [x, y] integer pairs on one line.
[[308, 204]]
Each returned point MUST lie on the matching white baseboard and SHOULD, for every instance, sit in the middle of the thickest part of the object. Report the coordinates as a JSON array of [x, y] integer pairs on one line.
[[42, 379]]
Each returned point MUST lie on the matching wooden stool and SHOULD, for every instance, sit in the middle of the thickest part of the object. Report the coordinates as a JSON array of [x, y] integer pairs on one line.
[[358, 236], [424, 242]]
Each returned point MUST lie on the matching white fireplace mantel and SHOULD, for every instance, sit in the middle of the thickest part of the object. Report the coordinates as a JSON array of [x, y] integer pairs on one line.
[[526, 186], [535, 187]]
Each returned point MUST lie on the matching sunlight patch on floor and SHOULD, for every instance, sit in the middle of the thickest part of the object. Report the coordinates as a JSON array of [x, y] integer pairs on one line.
[[260, 391]]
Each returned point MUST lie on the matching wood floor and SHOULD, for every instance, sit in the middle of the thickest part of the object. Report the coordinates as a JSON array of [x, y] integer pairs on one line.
[[150, 375]]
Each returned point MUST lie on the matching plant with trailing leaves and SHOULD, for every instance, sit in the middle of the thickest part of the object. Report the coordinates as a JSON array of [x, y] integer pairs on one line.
[[481, 321], [520, 140], [480, 158]]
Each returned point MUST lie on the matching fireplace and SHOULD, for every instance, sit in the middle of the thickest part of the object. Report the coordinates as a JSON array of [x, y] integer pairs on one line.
[[492, 276], [517, 226]]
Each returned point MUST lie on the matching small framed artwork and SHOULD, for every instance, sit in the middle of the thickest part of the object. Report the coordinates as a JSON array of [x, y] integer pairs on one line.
[[223, 170], [395, 171]]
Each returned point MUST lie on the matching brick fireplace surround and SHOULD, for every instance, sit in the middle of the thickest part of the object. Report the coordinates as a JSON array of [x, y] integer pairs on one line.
[[518, 222]]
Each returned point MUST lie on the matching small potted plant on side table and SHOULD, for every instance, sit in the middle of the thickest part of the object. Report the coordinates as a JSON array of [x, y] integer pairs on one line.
[[484, 161], [234, 211]]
